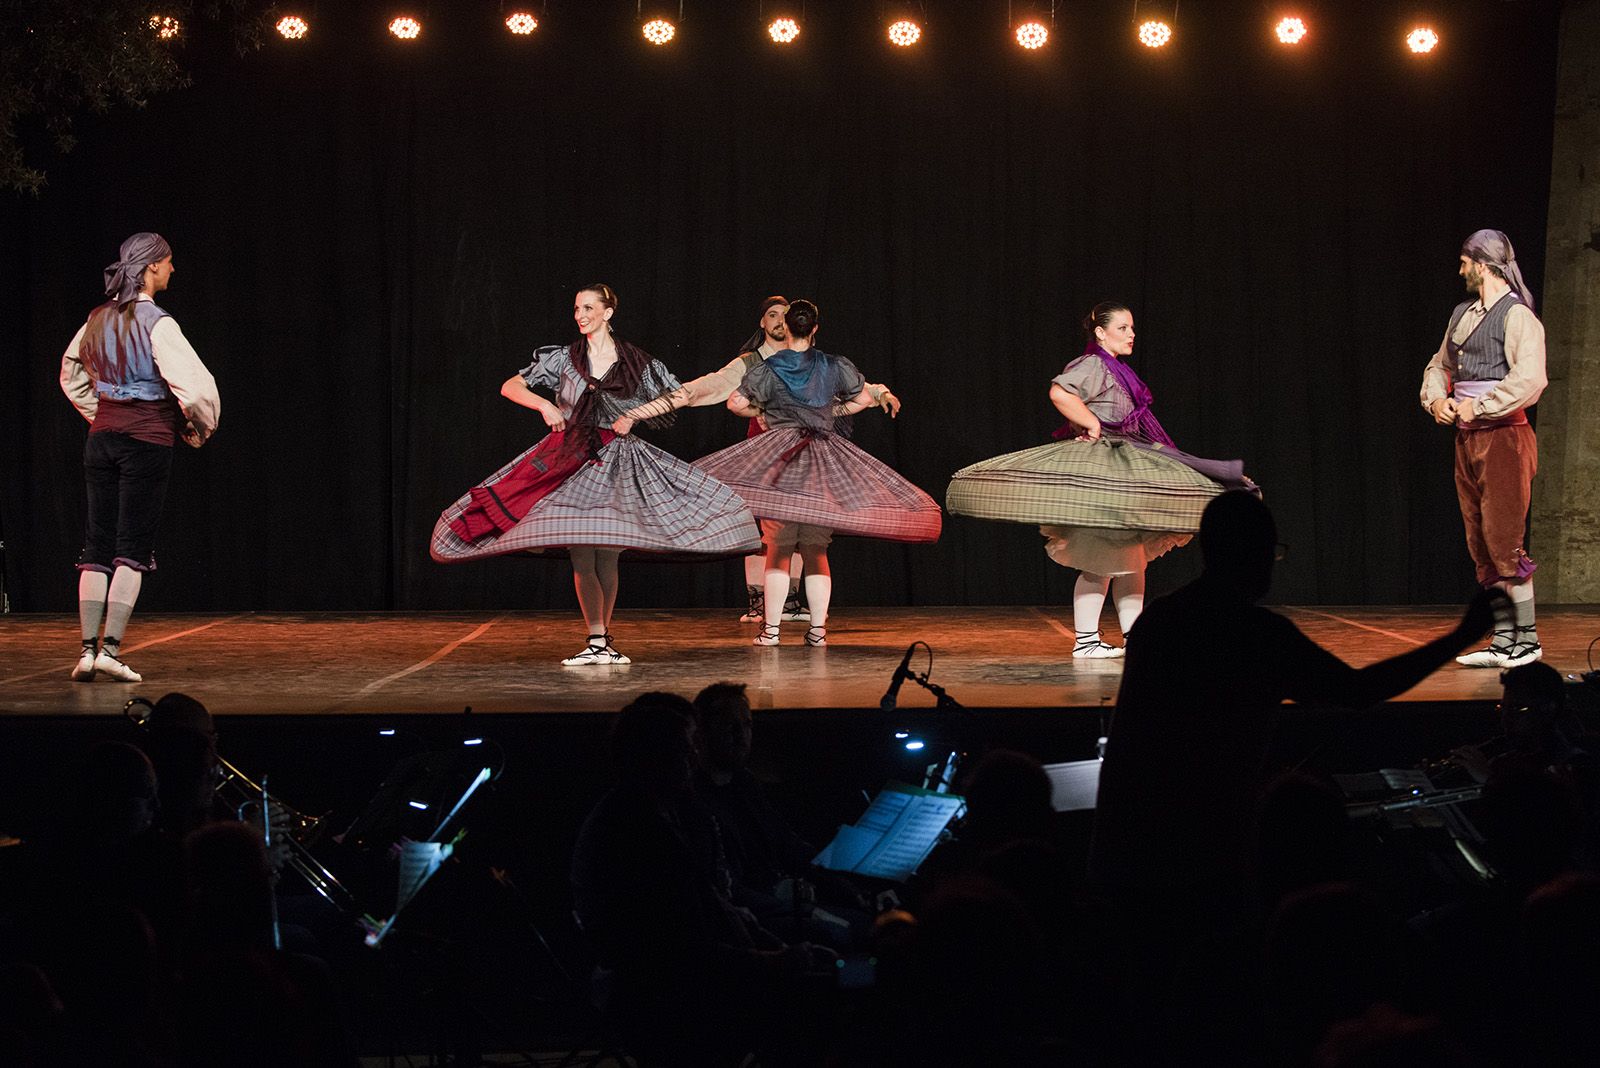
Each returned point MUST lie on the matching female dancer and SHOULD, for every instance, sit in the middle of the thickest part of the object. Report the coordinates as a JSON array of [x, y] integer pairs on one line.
[[804, 479], [1112, 493], [588, 486], [133, 375]]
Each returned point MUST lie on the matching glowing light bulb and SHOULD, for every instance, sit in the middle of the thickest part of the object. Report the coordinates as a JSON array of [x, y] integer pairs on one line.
[[659, 31], [1291, 31], [1154, 33], [904, 34], [406, 28], [521, 23], [1031, 35], [293, 27], [1422, 39], [783, 31]]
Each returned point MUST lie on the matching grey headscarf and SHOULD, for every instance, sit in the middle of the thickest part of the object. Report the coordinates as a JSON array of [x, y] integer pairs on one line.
[[1493, 249], [124, 277]]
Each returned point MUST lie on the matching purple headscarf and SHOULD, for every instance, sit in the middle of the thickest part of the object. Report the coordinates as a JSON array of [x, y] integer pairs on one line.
[[124, 277], [1493, 249], [1140, 424]]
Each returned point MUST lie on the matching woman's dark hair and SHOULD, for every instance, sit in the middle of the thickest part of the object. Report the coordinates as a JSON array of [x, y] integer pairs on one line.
[[1100, 316], [607, 295], [802, 318]]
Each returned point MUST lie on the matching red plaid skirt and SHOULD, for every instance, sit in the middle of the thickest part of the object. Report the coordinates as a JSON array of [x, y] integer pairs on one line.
[[820, 478]]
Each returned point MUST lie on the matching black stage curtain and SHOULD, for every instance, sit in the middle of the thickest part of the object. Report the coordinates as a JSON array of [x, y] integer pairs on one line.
[[370, 238]]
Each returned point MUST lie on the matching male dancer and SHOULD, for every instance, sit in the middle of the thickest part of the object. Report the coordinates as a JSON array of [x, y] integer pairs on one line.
[[715, 388], [1488, 372], [133, 375]]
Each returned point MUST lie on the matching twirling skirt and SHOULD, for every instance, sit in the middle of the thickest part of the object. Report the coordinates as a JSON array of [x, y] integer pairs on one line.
[[634, 497], [820, 478], [1107, 507]]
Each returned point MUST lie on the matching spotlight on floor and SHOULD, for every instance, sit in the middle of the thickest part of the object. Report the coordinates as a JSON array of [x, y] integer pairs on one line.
[[903, 33], [293, 28], [783, 30], [659, 31], [166, 26], [406, 28], [1154, 33], [1032, 34], [1291, 30], [521, 23], [1422, 39]]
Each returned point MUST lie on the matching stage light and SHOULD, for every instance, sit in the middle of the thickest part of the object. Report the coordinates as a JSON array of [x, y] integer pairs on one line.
[[166, 26], [1153, 33], [406, 28], [473, 741], [1422, 39], [659, 31], [915, 745], [419, 805], [784, 30], [521, 23], [1291, 31], [1032, 34], [904, 33], [293, 27], [387, 732]]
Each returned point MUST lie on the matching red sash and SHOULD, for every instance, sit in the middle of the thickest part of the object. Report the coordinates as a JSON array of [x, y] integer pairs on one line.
[[495, 509]]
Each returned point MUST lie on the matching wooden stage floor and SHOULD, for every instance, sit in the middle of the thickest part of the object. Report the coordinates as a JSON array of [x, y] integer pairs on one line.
[[1000, 657]]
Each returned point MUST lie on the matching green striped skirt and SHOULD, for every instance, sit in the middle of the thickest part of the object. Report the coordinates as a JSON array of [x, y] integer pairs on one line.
[[1107, 507]]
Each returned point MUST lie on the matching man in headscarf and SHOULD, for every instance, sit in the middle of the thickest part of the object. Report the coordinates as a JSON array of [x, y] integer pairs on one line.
[[714, 388], [131, 373], [1488, 372]]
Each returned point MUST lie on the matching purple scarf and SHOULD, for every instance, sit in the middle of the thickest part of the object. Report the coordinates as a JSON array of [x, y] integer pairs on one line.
[[1141, 423]]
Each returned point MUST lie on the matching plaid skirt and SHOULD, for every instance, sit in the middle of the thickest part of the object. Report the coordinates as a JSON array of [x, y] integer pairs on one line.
[[1108, 507], [820, 478], [633, 497]]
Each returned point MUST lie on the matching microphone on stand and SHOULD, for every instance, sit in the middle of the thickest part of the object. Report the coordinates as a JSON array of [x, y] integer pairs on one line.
[[901, 673]]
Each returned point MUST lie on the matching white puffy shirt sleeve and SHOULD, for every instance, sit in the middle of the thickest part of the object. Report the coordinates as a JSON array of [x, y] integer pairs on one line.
[[75, 380], [190, 382]]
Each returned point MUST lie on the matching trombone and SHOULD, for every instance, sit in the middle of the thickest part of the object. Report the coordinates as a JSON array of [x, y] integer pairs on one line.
[[238, 791]]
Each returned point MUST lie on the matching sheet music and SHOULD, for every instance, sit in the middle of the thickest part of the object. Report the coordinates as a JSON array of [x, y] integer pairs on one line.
[[894, 836], [1075, 785]]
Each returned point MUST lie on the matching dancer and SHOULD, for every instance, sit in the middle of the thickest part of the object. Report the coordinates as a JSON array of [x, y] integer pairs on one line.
[[588, 487], [804, 479], [1112, 494], [715, 388], [133, 375], [1488, 372]]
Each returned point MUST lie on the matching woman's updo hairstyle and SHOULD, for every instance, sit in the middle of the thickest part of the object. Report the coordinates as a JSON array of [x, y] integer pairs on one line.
[[607, 295], [801, 318], [1100, 316]]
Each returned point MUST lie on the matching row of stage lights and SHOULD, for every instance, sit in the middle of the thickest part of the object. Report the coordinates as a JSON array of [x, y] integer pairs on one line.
[[1031, 34]]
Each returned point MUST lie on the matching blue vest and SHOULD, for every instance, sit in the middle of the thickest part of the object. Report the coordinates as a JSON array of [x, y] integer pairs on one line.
[[121, 357], [1482, 356]]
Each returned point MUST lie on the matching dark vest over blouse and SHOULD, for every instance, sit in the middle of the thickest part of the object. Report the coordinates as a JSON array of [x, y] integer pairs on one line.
[[1482, 356], [130, 374]]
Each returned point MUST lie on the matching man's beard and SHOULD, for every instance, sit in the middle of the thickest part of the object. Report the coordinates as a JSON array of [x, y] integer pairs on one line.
[[777, 334]]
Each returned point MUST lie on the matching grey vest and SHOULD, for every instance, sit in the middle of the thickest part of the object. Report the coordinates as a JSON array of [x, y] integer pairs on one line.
[[1482, 356]]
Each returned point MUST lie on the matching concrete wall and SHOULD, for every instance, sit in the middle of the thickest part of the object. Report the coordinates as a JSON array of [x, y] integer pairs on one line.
[[1566, 494]]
